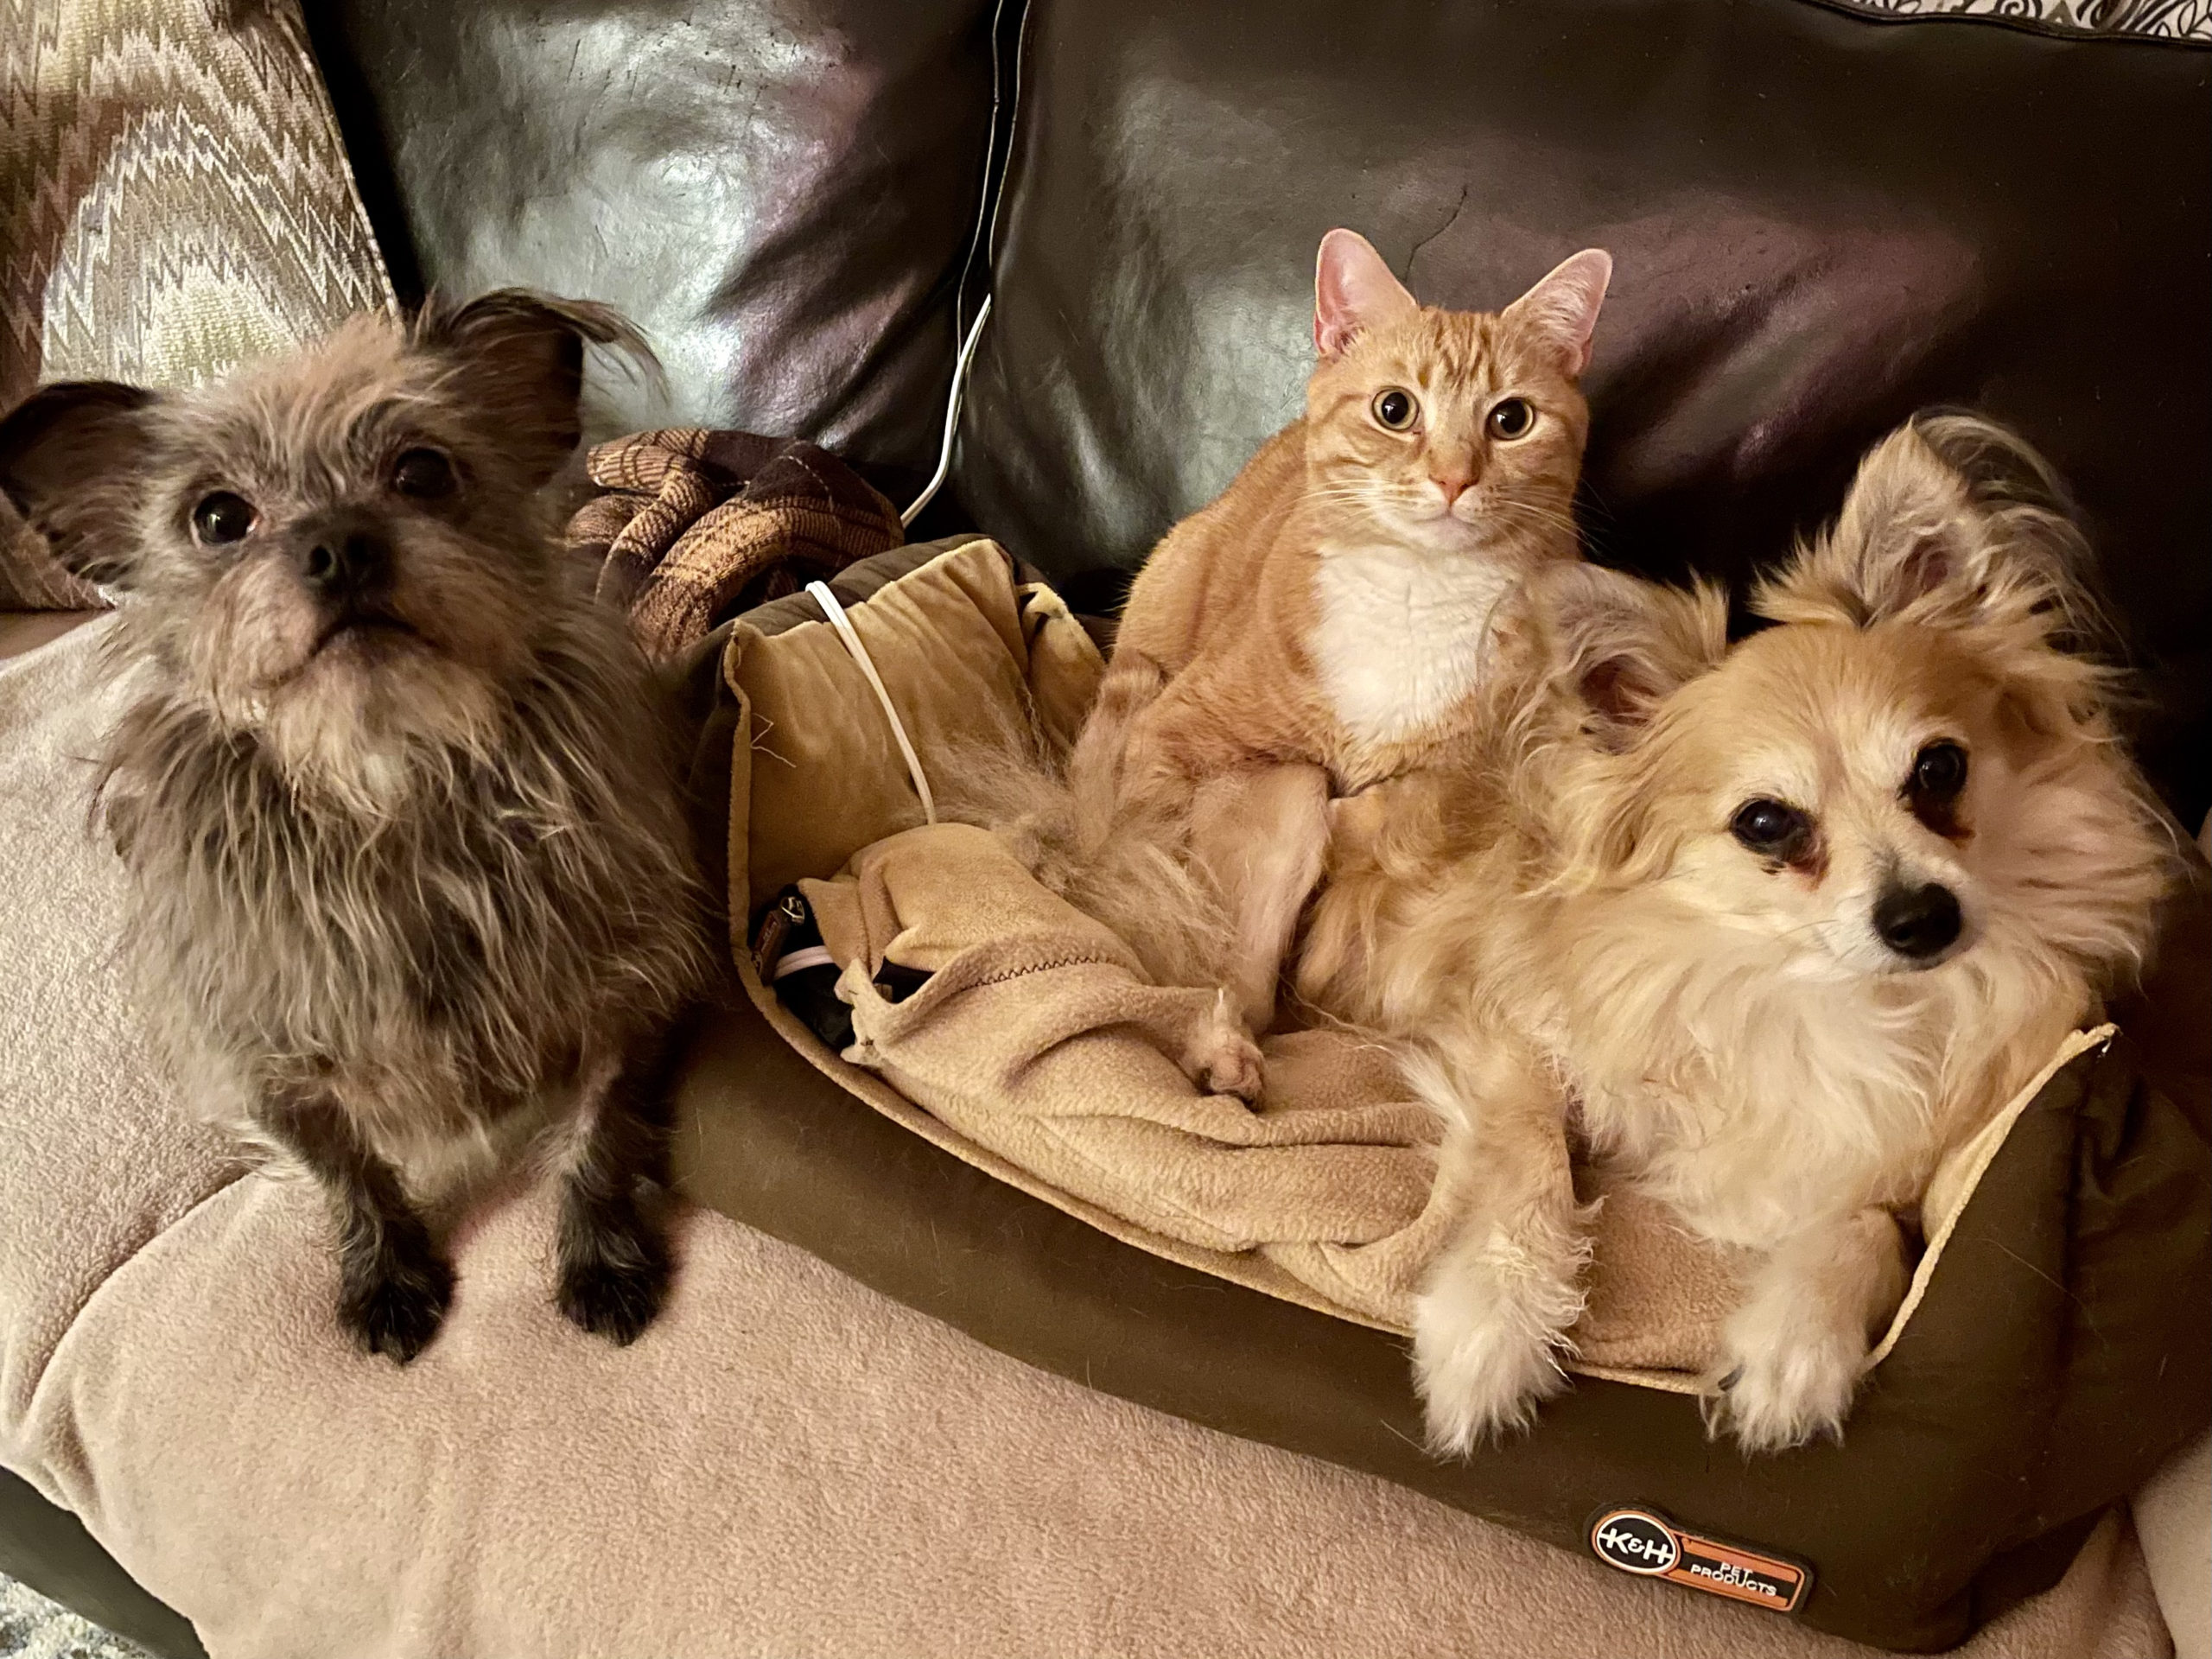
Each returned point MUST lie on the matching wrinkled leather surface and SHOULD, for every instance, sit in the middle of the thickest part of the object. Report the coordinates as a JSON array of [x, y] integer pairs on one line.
[[781, 192], [1822, 224]]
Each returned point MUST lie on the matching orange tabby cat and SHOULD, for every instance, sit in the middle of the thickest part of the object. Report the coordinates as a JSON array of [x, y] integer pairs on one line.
[[1323, 625]]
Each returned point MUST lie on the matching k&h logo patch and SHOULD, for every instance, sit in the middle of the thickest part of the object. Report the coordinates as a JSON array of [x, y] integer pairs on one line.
[[1647, 1543]]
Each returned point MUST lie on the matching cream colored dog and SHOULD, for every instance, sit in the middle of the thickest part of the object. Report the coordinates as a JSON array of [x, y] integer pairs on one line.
[[1781, 924]]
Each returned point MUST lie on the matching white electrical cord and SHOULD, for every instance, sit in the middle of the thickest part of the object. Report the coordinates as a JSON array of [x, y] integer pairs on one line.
[[843, 624], [952, 415]]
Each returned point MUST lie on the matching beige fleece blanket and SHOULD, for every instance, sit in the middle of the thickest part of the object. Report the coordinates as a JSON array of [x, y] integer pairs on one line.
[[786, 1464]]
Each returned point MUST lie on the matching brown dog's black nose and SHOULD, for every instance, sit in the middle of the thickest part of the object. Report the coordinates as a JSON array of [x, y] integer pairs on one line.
[[342, 564], [1917, 922]]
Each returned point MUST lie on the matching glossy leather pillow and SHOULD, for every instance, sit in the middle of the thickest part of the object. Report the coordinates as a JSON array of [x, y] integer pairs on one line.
[[783, 193], [1822, 223]]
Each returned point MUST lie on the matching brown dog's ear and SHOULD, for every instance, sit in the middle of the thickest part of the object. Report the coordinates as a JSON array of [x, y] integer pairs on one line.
[[72, 458], [519, 358], [1618, 645], [1951, 519]]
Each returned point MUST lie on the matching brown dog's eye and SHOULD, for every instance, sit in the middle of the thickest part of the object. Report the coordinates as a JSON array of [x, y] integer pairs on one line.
[[1511, 419], [1772, 829], [221, 517], [1939, 771], [423, 474], [1396, 409]]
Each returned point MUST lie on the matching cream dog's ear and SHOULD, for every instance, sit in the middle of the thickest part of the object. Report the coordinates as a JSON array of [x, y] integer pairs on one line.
[[1611, 650], [1952, 520], [72, 461], [1618, 645]]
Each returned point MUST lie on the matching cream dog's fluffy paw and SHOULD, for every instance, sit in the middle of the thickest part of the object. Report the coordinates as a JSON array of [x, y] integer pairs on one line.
[[1487, 1350], [1786, 1376]]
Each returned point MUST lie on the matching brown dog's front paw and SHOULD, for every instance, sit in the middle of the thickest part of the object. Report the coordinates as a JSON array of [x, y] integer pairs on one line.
[[397, 1307], [614, 1281]]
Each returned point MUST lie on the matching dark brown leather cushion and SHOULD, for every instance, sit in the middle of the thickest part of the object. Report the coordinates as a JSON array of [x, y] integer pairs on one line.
[[1822, 222], [783, 193], [48, 1549]]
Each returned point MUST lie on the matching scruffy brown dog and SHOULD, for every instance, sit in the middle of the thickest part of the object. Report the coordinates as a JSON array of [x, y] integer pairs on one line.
[[412, 892]]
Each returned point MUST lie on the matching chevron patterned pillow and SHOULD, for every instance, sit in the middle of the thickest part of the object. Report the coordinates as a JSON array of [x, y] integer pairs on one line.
[[173, 198]]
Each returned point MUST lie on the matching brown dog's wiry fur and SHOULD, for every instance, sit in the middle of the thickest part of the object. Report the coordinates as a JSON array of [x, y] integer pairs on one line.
[[1782, 924], [411, 889]]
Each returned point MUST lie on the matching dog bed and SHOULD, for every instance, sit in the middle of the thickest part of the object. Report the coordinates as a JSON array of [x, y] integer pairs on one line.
[[2040, 1367]]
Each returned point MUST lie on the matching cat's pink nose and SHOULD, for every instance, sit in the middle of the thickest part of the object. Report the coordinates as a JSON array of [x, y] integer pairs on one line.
[[1454, 488]]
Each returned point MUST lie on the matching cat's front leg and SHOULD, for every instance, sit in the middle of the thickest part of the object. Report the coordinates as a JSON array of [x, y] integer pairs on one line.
[[1793, 1351], [1262, 834], [1491, 1321]]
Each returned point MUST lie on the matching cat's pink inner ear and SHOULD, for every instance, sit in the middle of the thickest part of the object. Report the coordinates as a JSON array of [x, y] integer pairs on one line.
[[1564, 306], [1353, 291]]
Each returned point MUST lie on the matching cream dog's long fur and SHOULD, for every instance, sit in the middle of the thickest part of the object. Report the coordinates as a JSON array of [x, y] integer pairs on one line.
[[1780, 1037]]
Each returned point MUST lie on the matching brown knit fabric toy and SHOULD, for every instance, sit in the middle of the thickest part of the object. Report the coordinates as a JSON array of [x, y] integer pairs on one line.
[[694, 525]]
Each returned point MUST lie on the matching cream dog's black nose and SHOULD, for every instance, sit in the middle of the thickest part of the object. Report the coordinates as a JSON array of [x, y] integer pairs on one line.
[[1917, 922]]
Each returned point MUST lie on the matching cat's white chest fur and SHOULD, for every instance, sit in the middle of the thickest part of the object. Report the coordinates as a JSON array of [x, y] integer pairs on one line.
[[1401, 634]]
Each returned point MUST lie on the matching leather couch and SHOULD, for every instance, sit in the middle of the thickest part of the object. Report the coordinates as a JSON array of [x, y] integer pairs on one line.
[[1822, 219]]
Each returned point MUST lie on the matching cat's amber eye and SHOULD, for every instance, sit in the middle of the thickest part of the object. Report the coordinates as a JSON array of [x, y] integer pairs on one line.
[[1395, 409], [221, 517], [423, 474], [1511, 418]]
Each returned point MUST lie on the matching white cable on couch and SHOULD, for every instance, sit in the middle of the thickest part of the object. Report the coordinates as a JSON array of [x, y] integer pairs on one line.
[[952, 414], [843, 624]]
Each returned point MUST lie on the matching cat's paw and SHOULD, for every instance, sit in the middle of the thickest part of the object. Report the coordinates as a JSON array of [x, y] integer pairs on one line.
[[1236, 1068], [1487, 1352], [395, 1306], [1223, 1060], [613, 1280], [1786, 1376]]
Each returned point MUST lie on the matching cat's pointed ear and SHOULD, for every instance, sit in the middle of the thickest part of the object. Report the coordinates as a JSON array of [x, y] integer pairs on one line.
[[1563, 308], [72, 461], [1353, 292], [1951, 518]]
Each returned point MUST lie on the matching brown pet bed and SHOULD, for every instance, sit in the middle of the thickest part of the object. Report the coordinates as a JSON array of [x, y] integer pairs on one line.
[[1250, 1270]]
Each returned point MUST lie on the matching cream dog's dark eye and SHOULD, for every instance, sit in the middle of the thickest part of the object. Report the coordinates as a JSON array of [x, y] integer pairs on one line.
[[1396, 409], [221, 516], [1939, 771], [422, 473], [1772, 829], [1511, 418]]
